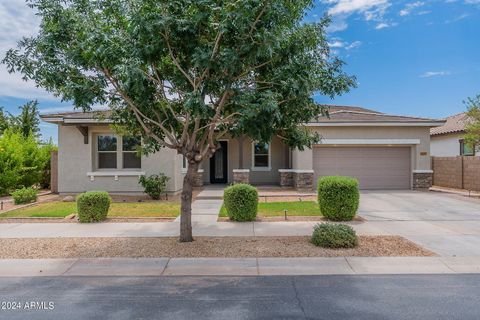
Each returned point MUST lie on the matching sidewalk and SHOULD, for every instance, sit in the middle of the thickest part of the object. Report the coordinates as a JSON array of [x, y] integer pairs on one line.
[[237, 267]]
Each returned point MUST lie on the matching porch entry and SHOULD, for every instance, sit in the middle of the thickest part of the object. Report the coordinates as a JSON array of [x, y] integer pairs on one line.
[[219, 164]]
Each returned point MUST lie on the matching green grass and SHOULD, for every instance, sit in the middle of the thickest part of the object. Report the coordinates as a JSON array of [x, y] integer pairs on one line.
[[117, 209], [274, 209]]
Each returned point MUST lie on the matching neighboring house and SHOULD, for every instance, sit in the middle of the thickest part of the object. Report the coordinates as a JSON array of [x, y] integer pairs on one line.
[[382, 151], [447, 140]]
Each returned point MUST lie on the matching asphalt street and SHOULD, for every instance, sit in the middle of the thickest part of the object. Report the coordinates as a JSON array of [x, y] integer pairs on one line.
[[273, 297]]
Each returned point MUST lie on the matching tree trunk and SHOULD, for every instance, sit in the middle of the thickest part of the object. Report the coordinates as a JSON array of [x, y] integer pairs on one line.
[[186, 206]]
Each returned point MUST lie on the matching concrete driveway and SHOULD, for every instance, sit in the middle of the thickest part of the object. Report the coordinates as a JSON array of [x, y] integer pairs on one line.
[[445, 223]]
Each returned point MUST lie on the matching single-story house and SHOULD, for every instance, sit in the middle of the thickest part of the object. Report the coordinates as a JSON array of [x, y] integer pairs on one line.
[[447, 140], [382, 151]]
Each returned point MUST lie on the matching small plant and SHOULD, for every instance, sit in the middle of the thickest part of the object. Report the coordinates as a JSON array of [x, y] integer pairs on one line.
[[331, 235], [24, 195], [93, 206], [338, 197], [241, 202], [154, 185]]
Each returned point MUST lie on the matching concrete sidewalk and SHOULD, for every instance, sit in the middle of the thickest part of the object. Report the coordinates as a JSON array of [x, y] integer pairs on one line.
[[237, 267]]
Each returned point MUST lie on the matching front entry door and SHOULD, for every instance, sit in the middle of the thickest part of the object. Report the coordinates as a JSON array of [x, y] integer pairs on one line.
[[218, 164]]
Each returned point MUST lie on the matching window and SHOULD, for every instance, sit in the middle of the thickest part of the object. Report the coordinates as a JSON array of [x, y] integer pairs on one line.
[[261, 156], [131, 159], [107, 152], [117, 152], [466, 149], [184, 163]]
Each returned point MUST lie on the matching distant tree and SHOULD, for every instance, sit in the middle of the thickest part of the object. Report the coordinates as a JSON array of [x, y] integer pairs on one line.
[[28, 121], [472, 136], [4, 123], [185, 73]]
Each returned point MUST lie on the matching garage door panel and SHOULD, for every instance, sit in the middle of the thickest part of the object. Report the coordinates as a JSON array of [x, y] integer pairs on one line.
[[374, 167]]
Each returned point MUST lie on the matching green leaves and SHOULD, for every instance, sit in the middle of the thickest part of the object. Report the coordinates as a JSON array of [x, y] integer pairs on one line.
[[472, 129], [186, 72]]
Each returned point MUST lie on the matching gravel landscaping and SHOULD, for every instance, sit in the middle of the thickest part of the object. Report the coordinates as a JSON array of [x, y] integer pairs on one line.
[[224, 247]]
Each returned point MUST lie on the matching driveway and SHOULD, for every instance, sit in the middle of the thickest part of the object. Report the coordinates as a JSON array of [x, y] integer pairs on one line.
[[416, 205], [445, 223]]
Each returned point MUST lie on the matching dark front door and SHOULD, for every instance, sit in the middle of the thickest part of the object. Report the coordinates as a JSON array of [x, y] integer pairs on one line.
[[218, 164]]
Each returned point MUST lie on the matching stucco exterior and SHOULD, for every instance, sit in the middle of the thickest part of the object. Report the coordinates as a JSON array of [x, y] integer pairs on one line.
[[347, 127], [76, 170], [446, 145]]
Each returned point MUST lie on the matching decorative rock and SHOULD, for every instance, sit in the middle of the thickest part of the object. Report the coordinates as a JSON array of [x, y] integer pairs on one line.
[[68, 199]]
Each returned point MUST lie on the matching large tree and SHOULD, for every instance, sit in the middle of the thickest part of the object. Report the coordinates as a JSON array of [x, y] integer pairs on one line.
[[28, 121], [184, 73]]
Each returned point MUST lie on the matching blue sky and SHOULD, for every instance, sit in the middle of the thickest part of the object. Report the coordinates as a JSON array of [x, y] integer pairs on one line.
[[417, 58]]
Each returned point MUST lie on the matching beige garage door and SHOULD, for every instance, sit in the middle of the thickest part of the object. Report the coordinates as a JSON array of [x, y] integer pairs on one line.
[[374, 167]]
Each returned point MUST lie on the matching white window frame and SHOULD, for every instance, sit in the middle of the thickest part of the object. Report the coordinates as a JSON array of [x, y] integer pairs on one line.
[[123, 151], [184, 164], [119, 153], [269, 168]]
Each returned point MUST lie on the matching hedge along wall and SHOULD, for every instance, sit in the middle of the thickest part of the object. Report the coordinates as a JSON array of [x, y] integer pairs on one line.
[[457, 172]]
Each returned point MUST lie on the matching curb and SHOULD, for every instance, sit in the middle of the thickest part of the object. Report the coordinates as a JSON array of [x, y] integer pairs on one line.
[[238, 266]]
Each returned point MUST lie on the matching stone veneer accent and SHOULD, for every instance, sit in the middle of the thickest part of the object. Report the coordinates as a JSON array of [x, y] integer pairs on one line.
[[286, 177], [241, 176], [303, 180], [422, 180], [297, 178], [198, 180]]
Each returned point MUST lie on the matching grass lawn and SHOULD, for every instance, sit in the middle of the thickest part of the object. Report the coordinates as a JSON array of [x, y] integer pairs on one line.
[[274, 209], [117, 209]]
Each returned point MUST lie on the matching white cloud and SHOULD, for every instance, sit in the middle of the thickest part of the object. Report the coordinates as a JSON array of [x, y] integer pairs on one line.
[[430, 74], [383, 25], [354, 45], [336, 44], [352, 6], [17, 21], [338, 24], [409, 7], [458, 18]]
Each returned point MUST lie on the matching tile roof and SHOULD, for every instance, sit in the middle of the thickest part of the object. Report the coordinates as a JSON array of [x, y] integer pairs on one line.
[[347, 114], [337, 115], [455, 123]]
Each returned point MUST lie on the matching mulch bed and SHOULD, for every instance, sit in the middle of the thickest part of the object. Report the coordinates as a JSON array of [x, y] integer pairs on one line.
[[224, 247]]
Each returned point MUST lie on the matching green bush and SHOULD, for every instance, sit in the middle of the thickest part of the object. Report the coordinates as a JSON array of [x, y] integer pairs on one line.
[[338, 197], [330, 235], [24, 161], [93, 206], [24, 195], [154, 185], [241, 202]]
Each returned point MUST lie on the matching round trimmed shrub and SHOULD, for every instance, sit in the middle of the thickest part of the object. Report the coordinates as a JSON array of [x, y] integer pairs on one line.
[[241, 202], [331, 235], [24, 195], [93, 206], [338, 197]]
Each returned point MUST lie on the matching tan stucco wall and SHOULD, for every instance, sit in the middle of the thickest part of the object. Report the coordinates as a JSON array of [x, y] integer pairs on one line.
[[75, 159], [446, 145], [419, 162]]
